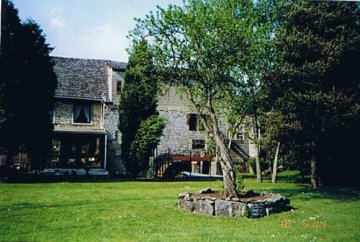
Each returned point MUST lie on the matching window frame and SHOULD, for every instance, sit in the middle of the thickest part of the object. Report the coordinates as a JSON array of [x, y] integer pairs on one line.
[[82, 106], [118, 87]]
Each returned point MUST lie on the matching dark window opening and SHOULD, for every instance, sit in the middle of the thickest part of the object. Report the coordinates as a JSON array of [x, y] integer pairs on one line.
[[240, 136], [84, 151], [198, 144], [194, 122], [82, 113], [118, 87]]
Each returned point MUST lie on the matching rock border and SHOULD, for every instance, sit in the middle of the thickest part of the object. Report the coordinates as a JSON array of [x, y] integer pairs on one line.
[[234, 207]]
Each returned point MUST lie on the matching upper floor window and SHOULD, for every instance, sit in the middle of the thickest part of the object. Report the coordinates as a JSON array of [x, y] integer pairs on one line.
[[82, 113], [194, 122], [118, 87], [240, 136]]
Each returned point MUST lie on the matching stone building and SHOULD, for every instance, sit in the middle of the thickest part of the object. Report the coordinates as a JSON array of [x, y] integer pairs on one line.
[[86, 121], [183, 139], [85, 114]]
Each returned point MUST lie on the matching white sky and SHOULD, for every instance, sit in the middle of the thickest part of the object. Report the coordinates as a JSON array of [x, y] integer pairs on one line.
[[88, 28]]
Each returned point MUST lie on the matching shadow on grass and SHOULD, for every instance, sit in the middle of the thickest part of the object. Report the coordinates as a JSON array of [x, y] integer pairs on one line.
[[28, 205], [335, 193]]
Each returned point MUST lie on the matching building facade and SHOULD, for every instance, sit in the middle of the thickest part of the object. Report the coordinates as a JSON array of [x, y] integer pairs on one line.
[[183, 139], [86, 121], [85, 114]]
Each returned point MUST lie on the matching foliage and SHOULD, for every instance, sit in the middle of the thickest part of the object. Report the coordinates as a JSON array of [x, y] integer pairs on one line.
[[240, 182], [27, 89], [139, 122], [212, 51], [315, 83], [146, 139], [219, 186], [145, 211]]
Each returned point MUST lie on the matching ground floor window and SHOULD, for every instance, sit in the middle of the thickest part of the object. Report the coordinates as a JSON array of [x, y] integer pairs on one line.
[[78, 151]]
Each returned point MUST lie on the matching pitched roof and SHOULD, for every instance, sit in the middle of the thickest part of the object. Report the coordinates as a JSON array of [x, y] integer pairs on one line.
[[83, 78]]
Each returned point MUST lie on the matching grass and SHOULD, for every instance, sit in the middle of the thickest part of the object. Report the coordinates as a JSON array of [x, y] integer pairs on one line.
[[146, 211]]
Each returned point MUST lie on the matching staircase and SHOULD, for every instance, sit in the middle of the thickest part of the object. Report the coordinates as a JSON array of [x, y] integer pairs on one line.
[[237, 152]]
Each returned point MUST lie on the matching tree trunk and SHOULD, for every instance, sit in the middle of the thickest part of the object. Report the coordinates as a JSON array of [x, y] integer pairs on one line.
[[314, 178], [257, 163], [273, 179], [251, 170], [227, 167], [257, 149], [226, 162]]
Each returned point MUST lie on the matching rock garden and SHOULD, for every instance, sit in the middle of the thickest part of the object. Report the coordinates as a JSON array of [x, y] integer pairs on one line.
[[248, 204]]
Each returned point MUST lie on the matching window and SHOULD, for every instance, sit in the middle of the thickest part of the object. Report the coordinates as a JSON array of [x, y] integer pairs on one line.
[[82, 113], [194, 122], [240, 136], [118, 87], [198, 144]]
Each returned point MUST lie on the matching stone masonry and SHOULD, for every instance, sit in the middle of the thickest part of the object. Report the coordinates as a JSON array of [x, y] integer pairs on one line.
[[257, 207]]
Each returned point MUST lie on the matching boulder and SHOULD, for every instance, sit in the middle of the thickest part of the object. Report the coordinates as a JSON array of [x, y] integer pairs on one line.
[[204, 207]]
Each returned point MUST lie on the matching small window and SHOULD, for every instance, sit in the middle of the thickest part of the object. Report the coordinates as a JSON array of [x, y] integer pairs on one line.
[[198, 144], [194, 122], [240, 136], [82, 113], [118, 87]]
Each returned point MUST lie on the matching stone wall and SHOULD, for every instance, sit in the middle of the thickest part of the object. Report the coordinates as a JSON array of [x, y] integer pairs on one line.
[[64, 118], [116, 77], [176, 135], [177, 138], [257, 207], [111, 123]]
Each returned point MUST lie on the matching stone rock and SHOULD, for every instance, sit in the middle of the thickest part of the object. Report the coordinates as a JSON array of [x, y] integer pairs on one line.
[[253, 208], [204, 191], [256, 210], [269, 211], [182, 195], [204, 207], [189, 206], [222, 207], [188, 197], [264, 193], [237, 209], [250, 193]]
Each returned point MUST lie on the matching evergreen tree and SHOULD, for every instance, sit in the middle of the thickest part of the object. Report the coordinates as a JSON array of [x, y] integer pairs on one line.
[[28, 86], [315, 84], [140, 124]]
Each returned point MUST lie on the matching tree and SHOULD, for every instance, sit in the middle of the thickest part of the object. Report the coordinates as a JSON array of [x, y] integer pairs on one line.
[[209, 49], [28, 86], [140, 124], [315, 82]]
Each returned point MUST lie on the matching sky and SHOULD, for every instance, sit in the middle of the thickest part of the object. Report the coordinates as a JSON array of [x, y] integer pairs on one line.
[[94, 29]]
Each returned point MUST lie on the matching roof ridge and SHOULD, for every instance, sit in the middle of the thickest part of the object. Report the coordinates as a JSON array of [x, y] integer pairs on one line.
[[90, 59]]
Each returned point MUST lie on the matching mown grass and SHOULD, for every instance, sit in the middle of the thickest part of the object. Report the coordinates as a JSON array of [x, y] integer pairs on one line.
[[146, 211]]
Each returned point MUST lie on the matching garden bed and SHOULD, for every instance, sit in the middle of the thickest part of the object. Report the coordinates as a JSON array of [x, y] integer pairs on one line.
[[249, 204]]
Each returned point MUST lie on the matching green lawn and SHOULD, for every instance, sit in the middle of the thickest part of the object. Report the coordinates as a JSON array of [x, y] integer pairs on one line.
[[146, 211]]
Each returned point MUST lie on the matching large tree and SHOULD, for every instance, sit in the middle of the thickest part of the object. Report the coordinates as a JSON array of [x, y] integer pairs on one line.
[[315, 83], [27, 89], [140, 124], [209, 49]]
